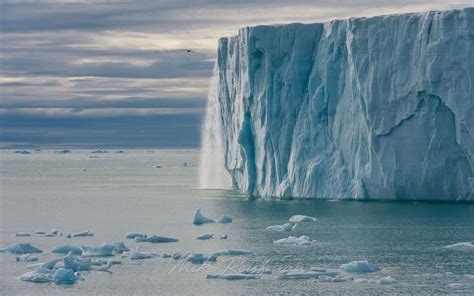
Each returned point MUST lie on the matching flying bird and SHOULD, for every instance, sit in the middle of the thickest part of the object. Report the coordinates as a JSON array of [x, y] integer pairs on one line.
[[189, 51]]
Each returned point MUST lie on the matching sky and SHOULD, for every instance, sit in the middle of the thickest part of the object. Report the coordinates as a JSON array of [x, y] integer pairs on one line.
[[109, 74]]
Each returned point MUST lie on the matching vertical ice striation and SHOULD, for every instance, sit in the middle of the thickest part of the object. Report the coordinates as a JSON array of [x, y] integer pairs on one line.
[[213, 174], [374, 108]]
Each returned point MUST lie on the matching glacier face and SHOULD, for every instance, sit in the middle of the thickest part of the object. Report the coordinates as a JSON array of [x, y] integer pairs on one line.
[[370, 108]]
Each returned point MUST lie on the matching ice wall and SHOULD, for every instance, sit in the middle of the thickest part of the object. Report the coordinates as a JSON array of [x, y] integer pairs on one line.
[[374, 108]]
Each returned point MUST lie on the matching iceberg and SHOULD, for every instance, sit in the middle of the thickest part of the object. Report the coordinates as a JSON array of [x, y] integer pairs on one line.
[[22, 248], [301, 218], [23, 234], [64, 276], [199, 218], [134, 235], [156, 239], [362, 108], [362, 266], [65, 249], [225, 219], [205, 236], [293, 240], [232, 277], [463, 246], [284, 227], [102, 250], [232, 252]]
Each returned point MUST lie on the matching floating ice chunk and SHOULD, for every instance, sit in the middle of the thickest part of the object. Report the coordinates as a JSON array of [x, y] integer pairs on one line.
[[134, 235], [102, 250], [156, 239], [104, 267], [298, 274], [26, 258], [198, 258], [159, 166], [120, 247], [50, 264], [103, 261], [284, 227], [205, 236], [301, 218], [38, 275], [469, 276], [100, 151], [362, 266], [463, 246], [232, 252], [335, 279], [178, 256], [136, 254], [223, 236], [63, 276], [199, 218], [22, 152], [75, 263], [65, 151], [65, 249], [232, 277], [22, 248], [225, 219], [256, 270], [293, 240], [50, 234], [388, 280], [40, 232], [23, 234], [82, 233]]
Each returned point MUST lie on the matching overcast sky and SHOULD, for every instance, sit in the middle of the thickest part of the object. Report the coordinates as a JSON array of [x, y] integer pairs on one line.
[[113, 73]]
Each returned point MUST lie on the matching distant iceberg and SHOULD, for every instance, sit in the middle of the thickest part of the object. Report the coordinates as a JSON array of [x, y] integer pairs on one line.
[[362, 266], [65, 249], [22, 248], [102, 250], [301, 218]]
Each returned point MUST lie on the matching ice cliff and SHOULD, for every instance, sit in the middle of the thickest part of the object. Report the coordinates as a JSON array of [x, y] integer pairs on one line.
[[365, 108]]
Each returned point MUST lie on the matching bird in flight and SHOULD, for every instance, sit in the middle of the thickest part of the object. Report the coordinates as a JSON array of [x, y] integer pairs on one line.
[[189, 51]]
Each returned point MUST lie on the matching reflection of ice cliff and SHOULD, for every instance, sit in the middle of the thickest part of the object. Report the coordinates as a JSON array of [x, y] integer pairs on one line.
[[378, 108]]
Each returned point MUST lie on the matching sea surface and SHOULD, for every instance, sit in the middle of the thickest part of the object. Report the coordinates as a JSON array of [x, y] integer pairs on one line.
[[112, 193]]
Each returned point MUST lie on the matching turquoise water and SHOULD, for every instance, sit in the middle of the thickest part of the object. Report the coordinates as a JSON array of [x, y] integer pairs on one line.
[[118, 193]]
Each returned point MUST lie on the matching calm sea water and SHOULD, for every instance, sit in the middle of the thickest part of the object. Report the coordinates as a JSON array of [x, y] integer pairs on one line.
[[118, 193]]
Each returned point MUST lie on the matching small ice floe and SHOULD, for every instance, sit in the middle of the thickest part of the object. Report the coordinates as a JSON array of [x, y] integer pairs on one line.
[[205, 236], [388, 280], [293, 240], [134, 235], [38, 275], [256, 270], [199, 258], [335, 279], [178, 256], [463, 246], [136, 254], [301, 274], [22, 152], [50, 264], [26, 258], [40, 232], [65, 249], [232, 252], [63, 276], [53, 233], [103, 261], [102, 250], [362, 266], [284, 227], [22, 248], [156, 239], [75, 263], [23, 234], [98, 151], [104, 267], [120, 247], [232, 277], [199, 218], [83, 233], [65, 151], [158, 166], [301, 218], [223, 236], [225, 219]]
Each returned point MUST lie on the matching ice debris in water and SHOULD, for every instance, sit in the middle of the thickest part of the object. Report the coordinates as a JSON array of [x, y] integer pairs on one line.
[[64, 276], [22, 234], [81, 234], [388, 280], [75, 263], [26, 258], [232, 252], [104, 267], [225, 219], [284, 227], [232, 277], [38, 275], [256, 270], [22, 248], [120, 247], [463, 246], [136, 254], [53, 233], [102, 250], [199, 218], [293, 240], [301, 218], [64, 249], [223, 236], [362, 266], [313, 273], [205, 236], [156, 239], [198, 258], [103, 261], [134, 235]]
